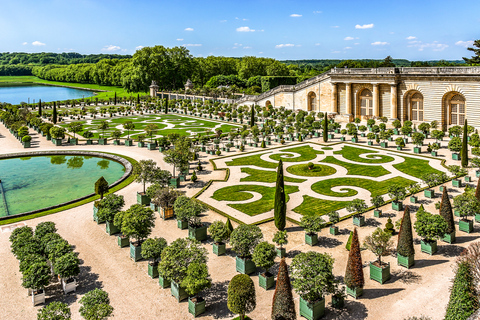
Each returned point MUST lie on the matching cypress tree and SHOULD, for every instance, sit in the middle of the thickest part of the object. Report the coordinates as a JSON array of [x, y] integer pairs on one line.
[[283, 306], [463, 301], [354, 273], [325, 128], [54, 114], [40, 107], [280, 206], [405, 235], [252, 117], [229, 226], [115, 99], [464, 153], [138, 98], [477, 190], [166, 104], [446, 211]]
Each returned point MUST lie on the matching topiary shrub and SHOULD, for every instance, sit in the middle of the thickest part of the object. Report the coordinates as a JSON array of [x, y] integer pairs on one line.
[[55, 310], [463, 300], [389, 227], [283, 306], [280, 205], [354, 273], [244, 239], [349, 241], [405, 235], [310, 166], [241, 295], [95, 305]]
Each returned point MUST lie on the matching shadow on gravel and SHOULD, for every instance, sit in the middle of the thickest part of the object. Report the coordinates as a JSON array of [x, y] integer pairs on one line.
[[427, 263], [372, 222], [450, 250], [293, 253], [462, 239], [217, 300], [378, 293], [353, 310], [405, 276], [327, 242]]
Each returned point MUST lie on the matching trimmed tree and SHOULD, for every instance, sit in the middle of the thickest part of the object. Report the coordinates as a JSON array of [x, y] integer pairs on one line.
[[197, 279], [252, 117], [241, 295], [145, 171], [67, 266], [446, 211], [244, 239], [229, 225], [54, 113], [110, 206], [152, 249], [138, 222], [95, 305], [463, 300], [354, 273], [405, 235], [280, 206], [37, 276], [44, 228], [55, 310], [325, 128], [101, 187], [264, 256], [283, 305], [464, 152]]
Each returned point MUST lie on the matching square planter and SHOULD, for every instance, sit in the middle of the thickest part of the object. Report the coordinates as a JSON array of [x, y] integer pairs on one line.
[[457, 183], [141, 144], [370, 143], [123, 241], [441, 188], [399, 148], [136, 252], [281, 252], [266, 280], [417, 150], [178, 292], [355, 140], [95, 217], [429, 247], [151, 146], [397, 205], [334, 230], [359, 221], [434, 153], [380, 274], [477, 173], [89, 142], [152, 270], [354, 292], [331, 136], [338, 302], [312, 311], [129, 142], [57, 142], [429, 193], [456, 213], [468, 179], [199, 234], [413, 199], [406, 262], [311, 239], [342, 138], [164, 283], [196, 308], [73, 142], [175, 182], [465, 226], [182, 225], [69, 285], [143, 199], [477, 217], [456, 156], [182, 177], [153, 206], [219, 248], [110, 228], [26, 144], [384, 144], [116, 142], [245, 266], [377, 213], [38, 298], [166, 213], [449, 237], [102, 141]]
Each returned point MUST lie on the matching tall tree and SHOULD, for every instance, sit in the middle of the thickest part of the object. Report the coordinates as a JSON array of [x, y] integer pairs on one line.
[[464, 154], [354, 273], [446, 211], [252, 117], [325, 128], [475, 59], [54, 114], [283, 306], [40, 107], [241, 297], [101, 187], [405, 235], [463, 299], [280, 206]]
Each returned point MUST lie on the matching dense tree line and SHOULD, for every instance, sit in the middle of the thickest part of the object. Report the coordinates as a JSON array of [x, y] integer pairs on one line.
[[45, 58]]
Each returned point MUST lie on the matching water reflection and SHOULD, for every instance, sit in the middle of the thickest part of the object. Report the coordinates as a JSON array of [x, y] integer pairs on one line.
[[103, 164], [58, 159], [75, 163]]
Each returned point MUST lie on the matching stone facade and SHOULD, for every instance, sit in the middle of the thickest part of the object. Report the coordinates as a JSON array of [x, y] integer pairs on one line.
[[447, 94]]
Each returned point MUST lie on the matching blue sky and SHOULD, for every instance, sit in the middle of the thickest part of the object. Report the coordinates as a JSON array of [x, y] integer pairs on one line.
[[414, 30]]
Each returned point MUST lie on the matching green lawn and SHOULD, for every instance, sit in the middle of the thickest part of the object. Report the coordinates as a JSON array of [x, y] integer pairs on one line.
[[253, 160], [415, 167], [319, 170], [265, 204], [315, 206], [353, 154], [307, 153], [266, 176], [358, 169]]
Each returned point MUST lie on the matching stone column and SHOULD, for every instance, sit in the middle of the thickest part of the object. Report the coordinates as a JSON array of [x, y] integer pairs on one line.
[[393, 101], [334, 97], [376, 105], [348, 98]]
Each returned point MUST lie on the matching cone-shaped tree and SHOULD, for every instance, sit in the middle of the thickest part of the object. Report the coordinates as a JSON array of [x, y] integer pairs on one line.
[[280, 206], [252, 117], [166, 104], [477, 190], [115, 99], [241, 295], [325, 128], [405, 235], [464, 153], [446, 211], [283, 306], [229, 226], [101, 187], [40, 108], [354, 273], [54, 114], [463, 301]]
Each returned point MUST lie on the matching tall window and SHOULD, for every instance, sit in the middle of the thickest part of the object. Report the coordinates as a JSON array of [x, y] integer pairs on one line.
[[416, 107], [457, 110], [366, 103], [311, 101]]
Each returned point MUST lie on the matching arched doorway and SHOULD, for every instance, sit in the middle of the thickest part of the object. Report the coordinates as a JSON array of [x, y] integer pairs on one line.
[[312, 101], [268, 104], [366, 103], [415, 106], [456, 109]]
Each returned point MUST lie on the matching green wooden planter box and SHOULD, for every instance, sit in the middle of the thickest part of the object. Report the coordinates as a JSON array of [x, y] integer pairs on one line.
[[477, 173], [178, 292], [456, 213], [141, 144], [49, 137], [26, 144], [57, 142], [396, 205], [338, 302], [354, 292], [219, 248], [182, 225], [199, 233], [311, 239], [281, 252], [312, 311], [123, 241], [456, 156], [136, 252], [384, 144], [196, 308], [245, 266], [406, 262], [377, 213], [355, 140], [152, 270], [417, 150], [434, 153], [465, 226], [89, 142], [95, 217], [129, 143], [468, 179], [477, 217], [429, 193], [266, 282], [399, 148], [334, 230], [102, 141], [370, 143], [342, 138], [110, 228], [441, 188], [359, 221], [449, 237], [413, 199], [380, 274], [175, 182], [457, 183], [164, 283], [182, 177], [331, 136], [116, 142], [143, 199], [73, 142], [151, 146], [154, 207], [428, 247]]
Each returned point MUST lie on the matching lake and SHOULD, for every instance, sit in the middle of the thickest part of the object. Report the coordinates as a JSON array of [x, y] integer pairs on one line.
[[15, 94]]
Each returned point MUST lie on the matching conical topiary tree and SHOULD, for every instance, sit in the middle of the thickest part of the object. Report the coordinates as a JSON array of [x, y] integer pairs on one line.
[[354, 279], [229, 226], [464, 153], [325, 128], [405, 240], [283, 306], [280, 206], [54, 114], [40, 108], [101, 187], [252, 117], [463, 300], [446, 211]]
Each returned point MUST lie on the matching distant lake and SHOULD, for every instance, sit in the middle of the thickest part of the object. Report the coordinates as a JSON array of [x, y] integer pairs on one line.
[[15, 94]]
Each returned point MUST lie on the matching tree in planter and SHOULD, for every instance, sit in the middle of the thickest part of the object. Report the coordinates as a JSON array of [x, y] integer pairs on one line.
[[179, 156], [67, 266], [466, 204], [95, 305], [464, 154], [116, 134], [75, 127], [44, 228], [110, 206], [379, 243], [438, 135], [405, 236], [241, 295], [101, 187], [429, 226], [189, 209], [57, 248], [264, 257], [424, 127], [455, 145], [396, 193], [219, 232], [400, 142], [37, 276], [196, 280], [280, 205], [128, 125], [55, 310], [145, 171], [103, 125], [152, 249], [150, 130], [164, 197], [57, 132], [280, 238], [87, 134], [463, 298], [356, 205], [377, 201], [138, 222], [244, 239], [457, 171], [418, 138], [354, 273], [311, 224], [283, 306]]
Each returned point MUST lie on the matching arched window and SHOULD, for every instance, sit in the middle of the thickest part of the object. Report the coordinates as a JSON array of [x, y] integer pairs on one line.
[[268, 104], [416, 107], [312, 101], [366, 103], [457, 110]]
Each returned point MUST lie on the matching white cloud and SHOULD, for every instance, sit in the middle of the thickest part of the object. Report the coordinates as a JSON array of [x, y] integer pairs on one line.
[[245, 29], [244, 19], [192, 45], [317, 44], [295, 15], [283, 45], [364, 26], [247, 47], [37, 43], [465, 44], [379, 43], [188, 29], [111, 48], [25, 43], [139, 47], [347, 48], [334, 27], [317, 12], [335, 51], [179, 39], [435, 45], [222, 21], [356, 43], [349, 38], [411, 38]]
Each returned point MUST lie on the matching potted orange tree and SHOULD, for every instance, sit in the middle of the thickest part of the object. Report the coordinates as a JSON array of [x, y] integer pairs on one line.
[[280, 239], [219, 233], [467, 205], [312, 225], [108, 207], [430, 227], [243, 240], [196, 280], [152, 250], [380, 244], [358, 206], [137, 224], [264, 257], [188, 210]]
